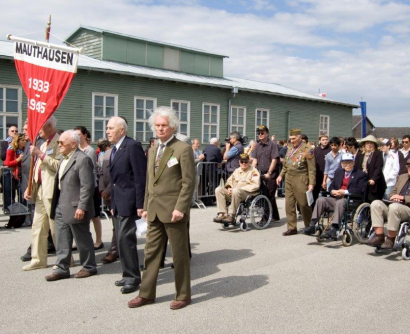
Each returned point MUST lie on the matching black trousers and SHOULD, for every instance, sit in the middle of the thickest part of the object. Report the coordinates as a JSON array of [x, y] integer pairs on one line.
[[271, 188], [125, 231]]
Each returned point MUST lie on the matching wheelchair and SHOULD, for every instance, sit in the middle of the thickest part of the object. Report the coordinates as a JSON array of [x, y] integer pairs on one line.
[[255, 210], [401, 243], [346, 225]]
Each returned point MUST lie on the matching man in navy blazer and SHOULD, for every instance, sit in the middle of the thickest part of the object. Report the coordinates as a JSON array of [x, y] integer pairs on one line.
[[346, 181], [128, 166]]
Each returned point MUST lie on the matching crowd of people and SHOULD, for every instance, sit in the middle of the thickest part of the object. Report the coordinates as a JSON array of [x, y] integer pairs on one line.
[[72, 182]]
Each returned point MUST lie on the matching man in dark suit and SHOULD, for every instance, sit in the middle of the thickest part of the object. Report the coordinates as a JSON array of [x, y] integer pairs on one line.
[[346, 181], [72, 207], [104, 184], [168, 196], [210, 179], [128, 166]]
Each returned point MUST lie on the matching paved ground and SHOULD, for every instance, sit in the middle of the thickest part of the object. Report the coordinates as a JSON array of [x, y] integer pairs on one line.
[[243, 282]]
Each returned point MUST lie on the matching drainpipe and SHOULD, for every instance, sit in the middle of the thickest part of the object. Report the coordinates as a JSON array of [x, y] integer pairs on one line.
[[234, 91], [288, 124]]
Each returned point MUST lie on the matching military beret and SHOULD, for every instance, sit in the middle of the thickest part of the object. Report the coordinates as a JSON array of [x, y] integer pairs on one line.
[[295, 132]]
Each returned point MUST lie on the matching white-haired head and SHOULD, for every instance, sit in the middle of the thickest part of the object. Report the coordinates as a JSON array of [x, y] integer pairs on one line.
[[213, 141], [166, 112], [72, 136]]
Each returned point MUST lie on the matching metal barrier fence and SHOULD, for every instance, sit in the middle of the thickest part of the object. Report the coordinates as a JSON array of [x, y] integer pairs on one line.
[[14, 203], [209, 175]]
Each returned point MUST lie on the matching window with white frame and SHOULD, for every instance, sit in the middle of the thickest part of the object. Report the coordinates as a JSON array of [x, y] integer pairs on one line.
[[105, 106], [210, 121], [238, 119], [144, 107], [183, 112], [324, 125], [261, 118], [10, 108]]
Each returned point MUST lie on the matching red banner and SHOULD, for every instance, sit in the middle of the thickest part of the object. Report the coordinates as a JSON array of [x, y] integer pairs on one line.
[[46, 74]]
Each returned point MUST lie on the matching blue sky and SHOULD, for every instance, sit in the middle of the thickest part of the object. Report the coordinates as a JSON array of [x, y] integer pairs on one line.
[[348, 49]]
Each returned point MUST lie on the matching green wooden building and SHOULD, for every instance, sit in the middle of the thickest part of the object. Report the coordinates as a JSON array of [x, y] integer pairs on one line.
[[129, 76]]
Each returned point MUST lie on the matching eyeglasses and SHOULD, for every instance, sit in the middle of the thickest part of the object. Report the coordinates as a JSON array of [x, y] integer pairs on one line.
[[59, 142], [243, 161], [405, 141], [13, 131], [261, 133]]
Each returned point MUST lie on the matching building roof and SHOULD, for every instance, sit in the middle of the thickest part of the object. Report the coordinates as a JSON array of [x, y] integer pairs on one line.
[[91, 64], [357, 120], [390, 132], [136, 38]]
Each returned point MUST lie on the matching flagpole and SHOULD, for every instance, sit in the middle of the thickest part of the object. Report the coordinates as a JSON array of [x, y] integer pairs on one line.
[[30, 177]]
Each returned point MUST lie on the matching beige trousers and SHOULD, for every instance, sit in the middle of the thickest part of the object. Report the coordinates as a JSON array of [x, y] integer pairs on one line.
[[395, 214], [238, 195], [39, 233]]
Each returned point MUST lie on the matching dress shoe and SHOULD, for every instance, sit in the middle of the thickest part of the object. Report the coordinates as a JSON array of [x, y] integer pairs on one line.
[[178, 304], [376, 240], [220, 218], [289, 232], [55, 277], [120, 282], [229, 220], [85, 273], [101, 246], [311, 229], [34, 267], [26, 257], [109, 258], [330, 233], [388, 243], [128, 288], [139, 301]]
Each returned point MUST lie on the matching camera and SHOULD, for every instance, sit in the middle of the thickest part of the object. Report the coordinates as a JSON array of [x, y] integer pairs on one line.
[[242, 139]]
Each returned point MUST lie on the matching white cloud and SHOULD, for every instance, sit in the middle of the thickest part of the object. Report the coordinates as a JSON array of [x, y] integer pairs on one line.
[[262, 5]]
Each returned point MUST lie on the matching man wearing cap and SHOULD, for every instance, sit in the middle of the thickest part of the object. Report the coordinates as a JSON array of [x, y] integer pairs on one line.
[[346, 181], [391, 166], [299, 172], [244, 181], [395, 213], [266, 159]]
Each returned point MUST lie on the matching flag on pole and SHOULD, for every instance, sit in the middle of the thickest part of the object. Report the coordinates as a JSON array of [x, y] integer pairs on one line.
[[322, 94], [46, 72]]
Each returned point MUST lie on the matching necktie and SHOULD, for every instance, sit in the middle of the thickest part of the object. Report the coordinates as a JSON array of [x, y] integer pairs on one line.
[[114, 150], [159, 156]]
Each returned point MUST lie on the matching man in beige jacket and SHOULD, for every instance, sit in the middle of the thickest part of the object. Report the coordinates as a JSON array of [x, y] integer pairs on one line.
[[45, 168], [244, 181]]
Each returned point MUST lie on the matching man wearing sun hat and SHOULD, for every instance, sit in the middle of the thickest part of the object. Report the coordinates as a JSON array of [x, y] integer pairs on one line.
[[299, 171], [244, 181], [347, 180]]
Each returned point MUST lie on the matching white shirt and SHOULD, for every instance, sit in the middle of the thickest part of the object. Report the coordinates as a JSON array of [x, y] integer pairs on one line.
[[119, 143], [160, 143]]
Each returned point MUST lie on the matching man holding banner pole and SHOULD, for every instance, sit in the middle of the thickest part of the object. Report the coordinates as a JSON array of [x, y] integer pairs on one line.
[[46, 72], [47, 159]]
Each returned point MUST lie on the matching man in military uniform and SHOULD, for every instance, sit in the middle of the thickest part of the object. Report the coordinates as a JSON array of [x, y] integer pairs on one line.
[[244, 181], [299, 172]]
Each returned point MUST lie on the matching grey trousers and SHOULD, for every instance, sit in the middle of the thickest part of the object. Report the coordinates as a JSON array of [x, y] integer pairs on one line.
[[125, 231], [64, 241], [331, 204]]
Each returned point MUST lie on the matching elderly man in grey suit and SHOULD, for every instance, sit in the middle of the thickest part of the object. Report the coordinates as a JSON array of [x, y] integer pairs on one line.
[[72, 208]]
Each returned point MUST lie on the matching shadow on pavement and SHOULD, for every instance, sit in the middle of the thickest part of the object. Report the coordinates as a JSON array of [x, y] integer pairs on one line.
[[225, 287], [206, 264]]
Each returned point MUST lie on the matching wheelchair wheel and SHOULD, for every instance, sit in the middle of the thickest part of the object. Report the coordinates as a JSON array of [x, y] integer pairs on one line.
[[362, 223], [405, 253], [260, 212], [347, 238], [243, 226]]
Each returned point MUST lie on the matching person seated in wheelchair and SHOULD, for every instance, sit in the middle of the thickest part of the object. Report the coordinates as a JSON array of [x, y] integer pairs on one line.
[[244, 181], [346, 181], [396, 210]]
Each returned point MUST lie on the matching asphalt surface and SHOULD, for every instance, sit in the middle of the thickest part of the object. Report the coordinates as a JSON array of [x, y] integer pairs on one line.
[[245, 282]]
